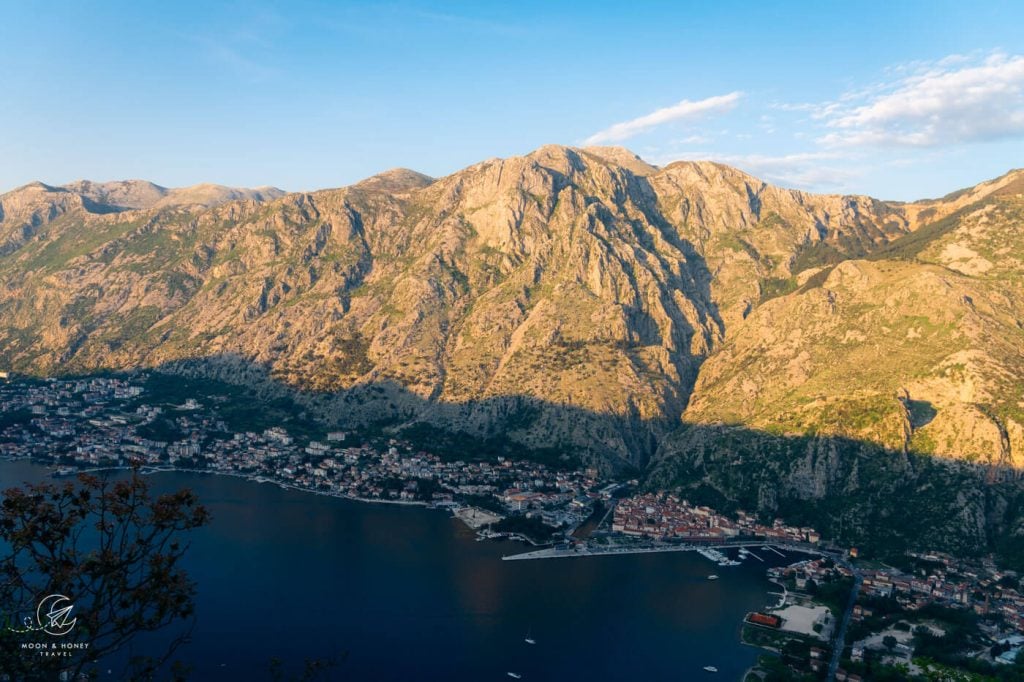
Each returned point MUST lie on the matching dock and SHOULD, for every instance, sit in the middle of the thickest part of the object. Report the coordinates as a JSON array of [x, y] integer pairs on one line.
[[565, 553], [560, 553]]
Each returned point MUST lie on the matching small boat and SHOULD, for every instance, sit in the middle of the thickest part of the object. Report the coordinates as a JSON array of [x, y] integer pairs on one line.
[[712, 577], [530, 640], [711, 669], [515, 676]]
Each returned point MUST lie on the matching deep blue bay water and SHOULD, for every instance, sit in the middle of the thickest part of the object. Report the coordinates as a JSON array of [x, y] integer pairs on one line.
[[411, 595]]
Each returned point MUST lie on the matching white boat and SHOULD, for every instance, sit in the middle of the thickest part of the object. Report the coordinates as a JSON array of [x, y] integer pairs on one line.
[[529, 639], [711, 669], [712, 554], [515, 676], [712, 577]]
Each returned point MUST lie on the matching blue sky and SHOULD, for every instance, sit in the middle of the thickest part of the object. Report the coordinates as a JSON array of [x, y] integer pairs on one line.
[[897, 100]]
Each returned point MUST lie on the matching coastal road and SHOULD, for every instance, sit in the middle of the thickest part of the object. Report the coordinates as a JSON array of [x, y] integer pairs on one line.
[[840, 643], [556, 553]]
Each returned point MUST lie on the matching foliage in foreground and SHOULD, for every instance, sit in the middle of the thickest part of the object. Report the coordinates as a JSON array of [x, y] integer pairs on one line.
[[114, 550]]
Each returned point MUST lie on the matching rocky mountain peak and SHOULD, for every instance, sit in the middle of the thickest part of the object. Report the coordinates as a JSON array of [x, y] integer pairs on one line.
[[395, 180], [35, 186], [624, 158], [208, 195]]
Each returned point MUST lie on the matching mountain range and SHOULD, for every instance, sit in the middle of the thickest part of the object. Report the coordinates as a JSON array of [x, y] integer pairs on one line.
[[848, 361]]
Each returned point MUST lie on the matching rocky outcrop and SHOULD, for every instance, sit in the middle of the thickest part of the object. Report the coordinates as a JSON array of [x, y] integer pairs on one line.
[[923, 355], [881, 400], [855, 492]]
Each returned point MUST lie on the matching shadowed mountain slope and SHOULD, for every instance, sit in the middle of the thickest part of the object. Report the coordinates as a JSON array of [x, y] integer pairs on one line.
[[584, 278]]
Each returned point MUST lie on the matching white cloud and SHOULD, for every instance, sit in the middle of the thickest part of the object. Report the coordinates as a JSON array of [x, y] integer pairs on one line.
[[806, 170], [793, 106], [946, 102], [693, 139], [911, 113], [831, 170], [683, 111]]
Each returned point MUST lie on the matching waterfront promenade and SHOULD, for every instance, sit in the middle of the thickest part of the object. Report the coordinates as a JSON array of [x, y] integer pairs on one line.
[[589, 551]]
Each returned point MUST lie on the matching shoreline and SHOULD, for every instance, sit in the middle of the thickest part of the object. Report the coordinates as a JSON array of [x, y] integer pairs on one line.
[[782, 597], [546, 552], [557, 553], [723, 639], [543, 553], [254, 478], [149, 470]]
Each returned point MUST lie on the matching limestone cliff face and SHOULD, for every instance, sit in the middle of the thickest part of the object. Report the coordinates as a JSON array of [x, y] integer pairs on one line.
[[756, 238], [569, 298], [920, 348], [848, 362], [820, 403], [855, 492]]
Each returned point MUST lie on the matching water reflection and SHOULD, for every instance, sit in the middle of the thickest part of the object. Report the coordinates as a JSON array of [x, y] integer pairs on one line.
[[411, 595]]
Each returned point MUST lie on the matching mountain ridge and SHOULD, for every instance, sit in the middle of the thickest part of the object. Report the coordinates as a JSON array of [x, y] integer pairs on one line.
[[743, 237], [650, 301]]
